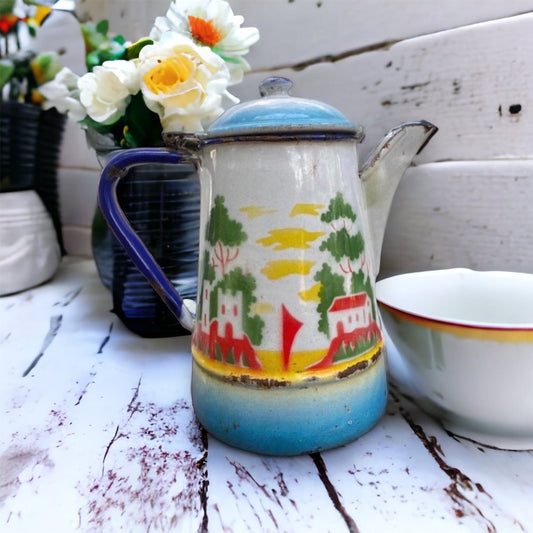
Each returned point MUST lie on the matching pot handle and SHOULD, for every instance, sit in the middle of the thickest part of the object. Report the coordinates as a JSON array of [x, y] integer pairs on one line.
[[116, 168]]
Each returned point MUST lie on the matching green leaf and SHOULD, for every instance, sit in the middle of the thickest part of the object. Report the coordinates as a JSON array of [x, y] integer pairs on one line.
[[102, 27], [132, 52], [6, 6], [228, 59], [143, 126], [6, 70]]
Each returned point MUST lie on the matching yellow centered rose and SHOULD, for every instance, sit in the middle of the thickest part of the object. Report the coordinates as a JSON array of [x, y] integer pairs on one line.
[[182, 82], [168, 74]]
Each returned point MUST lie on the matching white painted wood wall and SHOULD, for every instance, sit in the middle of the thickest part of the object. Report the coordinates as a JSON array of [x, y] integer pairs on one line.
[[465, 65]]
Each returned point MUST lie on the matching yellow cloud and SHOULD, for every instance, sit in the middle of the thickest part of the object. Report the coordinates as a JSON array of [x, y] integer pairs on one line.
[[311, 294], [306, 209], [285, 267], [255, 211], [282, 239], [262, 308]]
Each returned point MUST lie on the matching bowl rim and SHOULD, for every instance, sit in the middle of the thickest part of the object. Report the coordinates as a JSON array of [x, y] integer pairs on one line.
[[446, 323]]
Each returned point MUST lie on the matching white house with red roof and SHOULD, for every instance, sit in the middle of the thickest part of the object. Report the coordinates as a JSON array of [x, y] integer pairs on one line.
[[348, 313]]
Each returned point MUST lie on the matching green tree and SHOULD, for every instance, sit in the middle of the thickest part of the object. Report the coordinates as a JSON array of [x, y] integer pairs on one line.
[[362, 283], [338, 209], [208, 274], [344, 246], [332, 286], [224, 235]]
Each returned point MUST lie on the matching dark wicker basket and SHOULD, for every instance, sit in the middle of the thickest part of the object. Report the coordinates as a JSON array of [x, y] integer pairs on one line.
[[30, 145]]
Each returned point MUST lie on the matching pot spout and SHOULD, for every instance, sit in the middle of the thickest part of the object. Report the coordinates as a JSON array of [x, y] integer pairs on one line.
[[382, 172]]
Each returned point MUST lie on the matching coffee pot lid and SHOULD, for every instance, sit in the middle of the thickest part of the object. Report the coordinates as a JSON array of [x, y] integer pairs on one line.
[[276, 112]]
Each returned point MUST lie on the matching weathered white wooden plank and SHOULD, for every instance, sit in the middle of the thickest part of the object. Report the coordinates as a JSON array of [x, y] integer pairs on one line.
[[473, 82], [293, 32], [100, 436], [477, 490], [297, 31], [267, 494], [456, 488], [462, 214], [103, 425]]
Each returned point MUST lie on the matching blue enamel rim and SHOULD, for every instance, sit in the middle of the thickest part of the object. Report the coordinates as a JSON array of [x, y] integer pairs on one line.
[[280, 137]]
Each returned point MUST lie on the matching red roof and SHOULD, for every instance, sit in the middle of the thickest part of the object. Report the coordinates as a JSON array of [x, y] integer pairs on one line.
[[351, 301]]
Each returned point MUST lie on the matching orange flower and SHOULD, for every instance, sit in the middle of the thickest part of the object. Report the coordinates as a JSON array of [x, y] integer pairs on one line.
[[8, 22], [204, 31]]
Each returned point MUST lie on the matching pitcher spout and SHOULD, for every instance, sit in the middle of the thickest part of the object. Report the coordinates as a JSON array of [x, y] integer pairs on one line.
[[382, 172]]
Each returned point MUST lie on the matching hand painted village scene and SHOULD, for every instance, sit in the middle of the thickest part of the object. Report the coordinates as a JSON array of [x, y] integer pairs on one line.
[[328, 318]]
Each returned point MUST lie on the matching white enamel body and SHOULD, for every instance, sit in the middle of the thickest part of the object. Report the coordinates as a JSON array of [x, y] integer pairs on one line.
[[273, 186]]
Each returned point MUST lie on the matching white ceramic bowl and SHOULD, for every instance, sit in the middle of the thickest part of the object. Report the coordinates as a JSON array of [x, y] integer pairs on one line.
[[463, 349]]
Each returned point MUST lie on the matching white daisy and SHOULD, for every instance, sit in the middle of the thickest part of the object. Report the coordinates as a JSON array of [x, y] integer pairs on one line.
[[211, 23]]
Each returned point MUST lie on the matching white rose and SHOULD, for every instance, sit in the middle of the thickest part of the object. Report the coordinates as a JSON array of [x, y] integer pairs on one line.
[[63, 94], [106, 91], [182, 82]]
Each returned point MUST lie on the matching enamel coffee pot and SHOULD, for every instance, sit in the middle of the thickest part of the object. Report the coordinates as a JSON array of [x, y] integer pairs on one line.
[[287, 348]]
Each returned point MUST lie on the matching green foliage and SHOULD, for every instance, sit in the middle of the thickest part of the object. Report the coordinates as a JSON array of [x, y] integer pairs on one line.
[[209, 273], [142, 127], [358, 282], [341, 244], [6, 6], [221, 228], [362, 283], [362, 345], [6, 71], [132, 52], [21, 80], [332, 286], [338, 209], [99, 47], [137, 127]]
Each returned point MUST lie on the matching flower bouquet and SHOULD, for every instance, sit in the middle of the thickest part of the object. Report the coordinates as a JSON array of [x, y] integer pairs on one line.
[[174, 80]]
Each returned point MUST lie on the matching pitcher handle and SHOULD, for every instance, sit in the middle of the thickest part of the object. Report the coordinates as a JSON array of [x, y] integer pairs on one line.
[[116, 168]]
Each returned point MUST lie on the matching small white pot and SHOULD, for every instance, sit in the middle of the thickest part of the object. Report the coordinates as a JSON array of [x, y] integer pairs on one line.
[[29, 250]]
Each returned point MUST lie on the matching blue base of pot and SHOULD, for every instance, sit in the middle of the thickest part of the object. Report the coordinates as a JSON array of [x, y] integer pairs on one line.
[[290, 420]]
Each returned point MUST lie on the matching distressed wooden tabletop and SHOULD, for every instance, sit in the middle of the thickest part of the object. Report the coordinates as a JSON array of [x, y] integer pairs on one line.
[[97, 433]]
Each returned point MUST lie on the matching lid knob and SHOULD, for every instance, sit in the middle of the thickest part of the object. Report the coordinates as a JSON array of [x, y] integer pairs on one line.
[[275, 86]]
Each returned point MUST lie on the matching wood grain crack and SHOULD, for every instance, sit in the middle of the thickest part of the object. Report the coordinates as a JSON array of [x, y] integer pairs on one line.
[[55, 324], [380, 46], [106, 339], [460, 482], [204, 482], [332, 492], [69, 297], [114, 439]]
